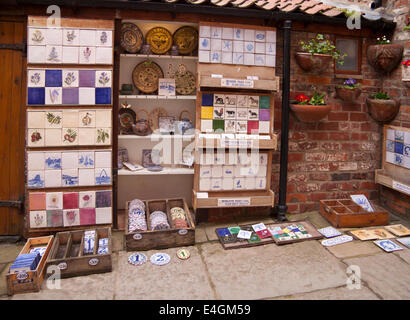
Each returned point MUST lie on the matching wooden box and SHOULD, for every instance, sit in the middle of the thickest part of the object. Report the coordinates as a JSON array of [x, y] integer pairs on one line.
[[24, 282], [67, 254], [160, 239], [342, 213]]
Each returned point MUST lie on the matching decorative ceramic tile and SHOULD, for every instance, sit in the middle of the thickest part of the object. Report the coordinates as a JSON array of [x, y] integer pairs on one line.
[[103, 215], [218, 113], [35, 160], [102, 176], [86, 159], [238, 46], [216, 184], [270, 36], [54, 200], [35, 137], [87, 37], [260, 36], [253, 127], [37, 201], [406, 162], [70, 118], [69, 177], [227, 45], [103, 79], [242, 113], [253, 101], [249, 59], [70, 78], [362, 201], [228, 171], [103, 199], [390, 134], [230, 113], [38, 219], [388, 245], [205, 184], [86, 96], [399, 147], [253, 114], [103, 136], [249, 35], [250, 183], [52, 178], [407, 137], [86, 177], [227, 57], [103, 38], [399, 136], [36, 78], [71, 37], [249, 47], [36, 36], [260, 60], [35, 119], [238, 34], [216, 171], [54, 36], [53, 119], [270, 61], [35, 179], [36, 96], [70, 200], [398, 159], [227, 184], [54, 218], [216, 56], [54, 54], [239, 183], [406, 150], [238, 58], [103, 159], [227, 33], [390, 157], [205, 31], [86, 136], [230, 100], [53, 95], [87, 199], [207, 112], [203, 56], [263, 159], [205, 44], [103, 96], [87, 216], [36, 54], [52, 160], [87, 55], [69, 160], [260, 183], [70, 96], [86, 119], [216, 44], [230, 126], [216, 32], [270, 49], [69, 136], [103, 118], [264, 114], [71, 217]]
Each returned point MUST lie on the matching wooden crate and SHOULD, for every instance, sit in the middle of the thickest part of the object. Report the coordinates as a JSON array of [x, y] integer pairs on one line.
[[24, 282], [67, 254], [344, 213], [160, 239]]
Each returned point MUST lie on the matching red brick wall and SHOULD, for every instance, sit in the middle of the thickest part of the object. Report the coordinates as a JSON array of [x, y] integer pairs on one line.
[[338, 155]]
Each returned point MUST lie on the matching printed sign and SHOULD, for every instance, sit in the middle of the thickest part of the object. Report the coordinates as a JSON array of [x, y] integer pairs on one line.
[[236, 83], [182, 232], [137, 236], [62, 266], [22, 276], [236, 143], [166, 87], [401, 187], [93, 261], [234, 202]]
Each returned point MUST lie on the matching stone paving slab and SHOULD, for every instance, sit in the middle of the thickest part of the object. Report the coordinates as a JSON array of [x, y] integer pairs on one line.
[[314, 217], [9, 252], [178, 280], [354, 248], [341, 293], [385, 274], [403, 254], [200, 234], [270, 271], [210, 229], [92, 287]]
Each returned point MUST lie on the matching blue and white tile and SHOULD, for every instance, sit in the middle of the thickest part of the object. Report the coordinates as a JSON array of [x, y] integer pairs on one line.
[[406, 162], [71, 55], [205, 44], [227, 33], [407, 137], [239, 184], [238, 58], [54, 36], [228, 171], [399, 135], [103, 78], [69, 160], [36, 78], [270, 36], [260, 60], [53, 95], [263, 159], [71, 37], [87, 37], [250, 183], [54, 54], [260, 47], [260, 183], [227, 45], [103, 215], [249, 35], [87, 55], [204, 184], [52, 160], [103, 38], [86, 96], [70, 78], [86, 136], [249, 47], [38, 219], [69, 177], [262, 171], [52, 178], [406, 150], [249, 59], [86, 159], [216, 45], [102, 176], [86, 177], [216, 184], [270, 48], [227, 57], [260, 35], [390, 135], [103, 55], [390, 145], [205, 171], [238, 46], [36, 36], [216, 32], [205, 31], [203, 56], [216, 171], [36, 54], [216, 56], [361, 200], [398, 159], [238, 34], [227, 183], [398, 147], [390, 157], [103, 159], [270, 61], [35, 179], [35, 161]]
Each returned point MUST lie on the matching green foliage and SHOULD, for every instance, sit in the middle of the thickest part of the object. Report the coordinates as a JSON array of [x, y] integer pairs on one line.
[[406, 28], [322, 46], [380, 95], [317, 99]]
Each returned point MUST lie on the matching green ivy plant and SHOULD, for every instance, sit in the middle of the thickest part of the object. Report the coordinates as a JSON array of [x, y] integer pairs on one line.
[[322, 46], [380, 95]]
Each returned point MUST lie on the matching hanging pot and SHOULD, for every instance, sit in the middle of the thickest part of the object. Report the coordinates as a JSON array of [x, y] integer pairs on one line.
[[310, 113], [384, 57], [383, 110], [348, 95], [313, 62], [184, 125], [142, 127]]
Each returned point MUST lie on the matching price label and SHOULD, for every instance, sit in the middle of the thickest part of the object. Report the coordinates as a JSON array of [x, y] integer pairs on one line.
[[137, 236], [401, 187], [93, 261], [22, 276], [234, 202], [62, 266], [182, 232], [236, 83]]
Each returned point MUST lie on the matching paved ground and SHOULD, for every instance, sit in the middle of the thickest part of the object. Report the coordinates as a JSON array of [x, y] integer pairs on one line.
[[305, 270]]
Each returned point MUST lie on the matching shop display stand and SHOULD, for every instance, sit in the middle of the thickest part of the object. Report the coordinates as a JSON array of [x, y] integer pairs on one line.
[[394, 176], [211, 78]]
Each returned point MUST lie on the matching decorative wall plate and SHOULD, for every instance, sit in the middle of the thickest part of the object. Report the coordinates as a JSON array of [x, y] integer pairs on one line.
[[160, 40], [145, 76], [127, 118], [186, 38], [131, 37], [184, 82]]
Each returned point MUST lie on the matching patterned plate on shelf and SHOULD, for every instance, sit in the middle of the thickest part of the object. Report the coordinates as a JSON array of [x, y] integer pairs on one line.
[[145, 76], [160, 40], [131, 37], [127, 118], [186, 38]]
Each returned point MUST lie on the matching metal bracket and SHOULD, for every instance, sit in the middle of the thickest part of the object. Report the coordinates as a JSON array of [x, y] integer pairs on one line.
[[15, 46], [11, 203]]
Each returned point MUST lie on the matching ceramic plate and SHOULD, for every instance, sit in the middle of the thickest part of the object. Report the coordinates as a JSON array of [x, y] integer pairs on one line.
[[145, 76], [186, 38], [131, 37]]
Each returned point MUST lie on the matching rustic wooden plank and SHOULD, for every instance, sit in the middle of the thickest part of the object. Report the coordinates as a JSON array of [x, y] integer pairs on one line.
[[41, 21], [236, 72]]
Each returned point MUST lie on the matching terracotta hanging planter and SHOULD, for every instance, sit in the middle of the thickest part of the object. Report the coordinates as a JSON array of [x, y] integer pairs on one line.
[[384, 57], [313, 62], [348, 95], [310, 113], [382, 110]]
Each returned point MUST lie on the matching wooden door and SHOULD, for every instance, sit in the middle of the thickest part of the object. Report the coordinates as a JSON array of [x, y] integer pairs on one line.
[[12, 126]]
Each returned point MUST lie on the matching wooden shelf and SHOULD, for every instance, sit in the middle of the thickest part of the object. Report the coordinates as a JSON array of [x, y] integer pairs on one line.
[[156, 97], [156, 56], [263, 84], [382, 177], [156, 136], [263, 198], [217, 140], [165, 171]]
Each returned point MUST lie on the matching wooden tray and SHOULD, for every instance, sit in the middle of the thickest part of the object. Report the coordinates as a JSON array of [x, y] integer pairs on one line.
[[67, 254], [31, 281], [344, 213], [160, 239], [310, 228]]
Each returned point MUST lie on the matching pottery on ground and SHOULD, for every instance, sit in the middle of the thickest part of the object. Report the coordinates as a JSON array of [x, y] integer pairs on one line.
[[348, 95], [313, 62], [384, 57], [382, 110], [310, 113]]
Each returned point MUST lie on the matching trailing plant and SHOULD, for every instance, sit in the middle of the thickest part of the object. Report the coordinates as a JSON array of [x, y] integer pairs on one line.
[[317, 99], [350, 84], [320, 45], [383, 40], [380, 95]]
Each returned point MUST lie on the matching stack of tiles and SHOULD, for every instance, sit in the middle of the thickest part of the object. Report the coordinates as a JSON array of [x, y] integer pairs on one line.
[[290, 232], [69, 46], [67, 209], [68, 168], [237, 46], [245, 171], [25, 262], [398, 148], [136, 216], [102, 246], [227, 113], [89, 242]]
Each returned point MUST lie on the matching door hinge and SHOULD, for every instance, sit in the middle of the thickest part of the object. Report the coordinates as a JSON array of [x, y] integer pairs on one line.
[[13, 203], [15, 46]]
